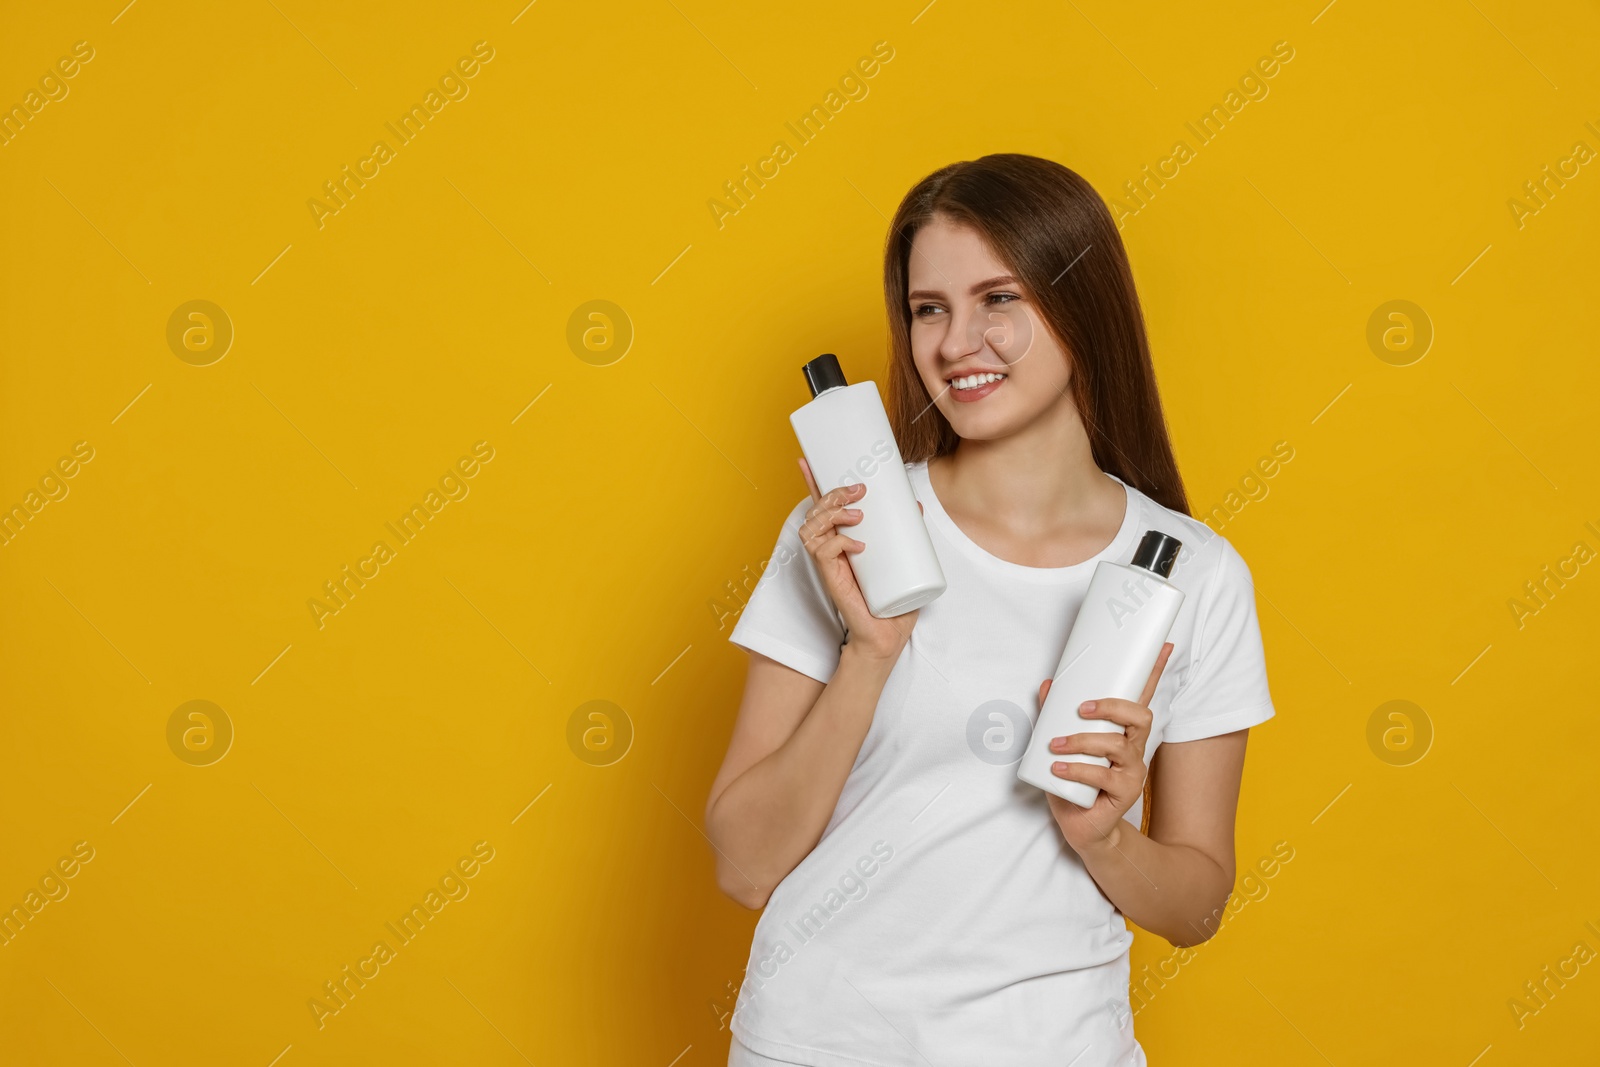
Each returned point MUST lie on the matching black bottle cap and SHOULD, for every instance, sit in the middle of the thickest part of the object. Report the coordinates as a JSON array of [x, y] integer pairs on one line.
[[1157, 552], [823, 373]]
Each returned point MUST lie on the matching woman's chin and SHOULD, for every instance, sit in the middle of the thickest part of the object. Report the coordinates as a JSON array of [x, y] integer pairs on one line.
[[988, 425]]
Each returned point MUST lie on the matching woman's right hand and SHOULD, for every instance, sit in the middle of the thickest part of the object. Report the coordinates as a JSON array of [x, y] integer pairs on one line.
[[827, 544]]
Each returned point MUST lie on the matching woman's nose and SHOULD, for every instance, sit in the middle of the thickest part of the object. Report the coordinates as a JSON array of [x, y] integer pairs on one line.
[[964, 336]]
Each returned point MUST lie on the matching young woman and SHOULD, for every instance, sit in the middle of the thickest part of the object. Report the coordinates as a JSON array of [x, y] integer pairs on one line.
[[923, 905]]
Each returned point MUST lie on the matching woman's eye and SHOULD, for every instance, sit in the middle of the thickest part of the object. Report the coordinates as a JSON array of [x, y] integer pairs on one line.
[[925, 310]]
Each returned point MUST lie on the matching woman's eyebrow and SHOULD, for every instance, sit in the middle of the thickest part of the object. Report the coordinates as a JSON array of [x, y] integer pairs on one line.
[[974, 291]]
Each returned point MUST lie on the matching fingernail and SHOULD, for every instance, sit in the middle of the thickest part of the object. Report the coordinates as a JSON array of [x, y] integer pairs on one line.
[[1087, 705]]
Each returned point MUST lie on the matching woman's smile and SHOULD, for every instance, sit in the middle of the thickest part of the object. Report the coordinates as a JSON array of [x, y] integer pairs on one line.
[[975, 387]]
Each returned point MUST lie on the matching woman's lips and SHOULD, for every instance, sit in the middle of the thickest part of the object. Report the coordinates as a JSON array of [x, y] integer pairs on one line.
[[967, 396]]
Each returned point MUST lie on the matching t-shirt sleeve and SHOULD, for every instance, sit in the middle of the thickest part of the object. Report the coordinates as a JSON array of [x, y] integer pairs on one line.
[[1226, 686], [790, 616]]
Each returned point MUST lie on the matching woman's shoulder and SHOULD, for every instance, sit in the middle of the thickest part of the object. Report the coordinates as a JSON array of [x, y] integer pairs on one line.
[[1208, 562]]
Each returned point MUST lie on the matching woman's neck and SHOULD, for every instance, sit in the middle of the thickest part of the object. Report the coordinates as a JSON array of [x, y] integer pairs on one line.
[[1037, 493]]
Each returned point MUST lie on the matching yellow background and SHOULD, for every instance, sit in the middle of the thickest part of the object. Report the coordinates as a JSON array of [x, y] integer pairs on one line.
[[589, 559]]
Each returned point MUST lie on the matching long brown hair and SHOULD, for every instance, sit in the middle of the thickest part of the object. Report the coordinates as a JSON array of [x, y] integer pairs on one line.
[[1055, 234]]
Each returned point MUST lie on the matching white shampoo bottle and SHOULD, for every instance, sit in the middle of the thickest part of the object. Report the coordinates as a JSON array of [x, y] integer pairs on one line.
[[845, 435], [1125, 618]]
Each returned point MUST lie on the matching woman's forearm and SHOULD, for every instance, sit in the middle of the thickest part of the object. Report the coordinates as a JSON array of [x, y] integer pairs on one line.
[[1172, 890], [769, 818]]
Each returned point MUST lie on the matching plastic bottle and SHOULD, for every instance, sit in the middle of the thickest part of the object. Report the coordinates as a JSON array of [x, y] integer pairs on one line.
[[1125, 618], [845, 435]]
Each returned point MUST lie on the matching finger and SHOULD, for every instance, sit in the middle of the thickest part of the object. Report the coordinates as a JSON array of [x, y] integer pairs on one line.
[[1044, 689], [830, 503], [842, 494], [830, 546], [811, 483], [1087, 773], [825, 515], [1124, 713], [1155, 674], [816, 538], [1114, 747], [921, 508]]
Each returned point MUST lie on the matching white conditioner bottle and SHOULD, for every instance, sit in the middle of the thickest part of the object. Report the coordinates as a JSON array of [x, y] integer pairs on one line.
[[845, 435], [1125, 618]]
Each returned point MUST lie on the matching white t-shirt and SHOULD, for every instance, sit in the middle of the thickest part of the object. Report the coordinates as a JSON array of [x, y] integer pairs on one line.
[[942, 918]]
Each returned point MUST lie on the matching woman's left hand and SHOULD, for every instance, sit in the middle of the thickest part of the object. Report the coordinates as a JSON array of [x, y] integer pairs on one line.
[[1121, 783]]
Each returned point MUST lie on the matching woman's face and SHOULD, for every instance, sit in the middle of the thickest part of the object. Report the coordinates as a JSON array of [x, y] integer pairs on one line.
[[971, 320]]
